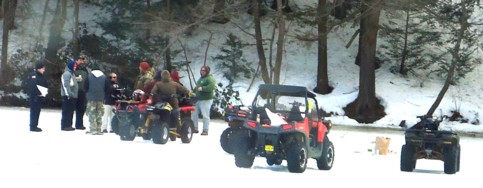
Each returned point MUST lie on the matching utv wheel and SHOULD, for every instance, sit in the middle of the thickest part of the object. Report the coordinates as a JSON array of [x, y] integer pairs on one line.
[[450, 156], [127, 132], [115, 124], [225, 140], [243, 157], [160, 132], [297, 157], [187, 130], [408, 162], [326, 160]]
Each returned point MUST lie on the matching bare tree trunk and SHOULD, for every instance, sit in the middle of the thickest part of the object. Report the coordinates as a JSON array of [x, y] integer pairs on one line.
[[323, 86], [55, 42], [262, 61], [280, 42], [12, 12], [8, 9], [75, 34], [207, 47], [402, 67], [455, 58], [365, 109], [42, 22]]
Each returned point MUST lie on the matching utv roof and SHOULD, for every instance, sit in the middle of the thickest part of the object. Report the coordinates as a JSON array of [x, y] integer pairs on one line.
[[287, 90]]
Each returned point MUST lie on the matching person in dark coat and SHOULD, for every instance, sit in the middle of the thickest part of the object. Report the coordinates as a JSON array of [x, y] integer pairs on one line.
[[68, 91], [36, 97], [110, 98], [168, 90], [81, 103], [95, 87]]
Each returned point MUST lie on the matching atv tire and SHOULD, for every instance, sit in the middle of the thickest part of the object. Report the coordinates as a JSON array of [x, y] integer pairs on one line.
[[160, 132], [450, 156], [326, 160], [127, 132], [187, 130], [408, 162], [243, 157], [115, 124]]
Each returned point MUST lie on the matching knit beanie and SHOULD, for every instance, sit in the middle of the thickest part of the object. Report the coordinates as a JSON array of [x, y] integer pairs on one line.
[[71, 65], [39, 66], [165, 76], [144, 65]]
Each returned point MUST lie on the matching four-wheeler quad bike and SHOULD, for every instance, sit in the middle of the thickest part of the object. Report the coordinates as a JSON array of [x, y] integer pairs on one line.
[[235, 116], [160, 126], [425, 141], [121, 97], [284, 124], [129, 115]]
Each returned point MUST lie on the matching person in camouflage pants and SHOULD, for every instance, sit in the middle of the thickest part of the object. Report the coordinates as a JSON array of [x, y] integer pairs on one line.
[[95, 87]]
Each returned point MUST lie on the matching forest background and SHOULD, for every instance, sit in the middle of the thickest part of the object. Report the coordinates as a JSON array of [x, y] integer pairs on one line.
[[418, 38]]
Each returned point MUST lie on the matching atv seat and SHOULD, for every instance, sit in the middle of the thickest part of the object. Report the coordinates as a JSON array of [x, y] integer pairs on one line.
[[295, 114]]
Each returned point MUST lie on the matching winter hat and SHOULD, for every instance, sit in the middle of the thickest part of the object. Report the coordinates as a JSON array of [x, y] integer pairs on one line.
[[165, 76], [144, 66], [175, 75], [39, 66], [71, 65]]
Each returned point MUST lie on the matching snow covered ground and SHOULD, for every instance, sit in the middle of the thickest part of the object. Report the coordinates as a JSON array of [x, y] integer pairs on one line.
[[54, 158]]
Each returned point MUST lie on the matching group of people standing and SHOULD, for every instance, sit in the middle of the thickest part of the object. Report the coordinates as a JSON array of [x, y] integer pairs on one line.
[[83, 91], [90, 92]]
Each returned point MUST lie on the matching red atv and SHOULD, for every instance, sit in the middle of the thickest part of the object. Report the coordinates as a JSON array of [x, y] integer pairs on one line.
[[284, 124], [129, 115]]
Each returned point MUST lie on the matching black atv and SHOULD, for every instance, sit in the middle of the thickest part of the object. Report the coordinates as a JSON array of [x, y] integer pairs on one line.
[[284, 124], [235, 116], [425, 141], [128, 116]]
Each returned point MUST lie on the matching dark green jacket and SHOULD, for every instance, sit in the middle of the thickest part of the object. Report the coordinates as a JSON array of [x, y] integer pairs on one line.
[[208, 83]]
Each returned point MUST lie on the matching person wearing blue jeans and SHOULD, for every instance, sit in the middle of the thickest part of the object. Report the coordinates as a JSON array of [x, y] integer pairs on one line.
[[204, 92]]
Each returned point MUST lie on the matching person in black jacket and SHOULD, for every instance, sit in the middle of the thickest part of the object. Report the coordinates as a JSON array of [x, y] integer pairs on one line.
[[36, 97], [81, 74], [112, 94]]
